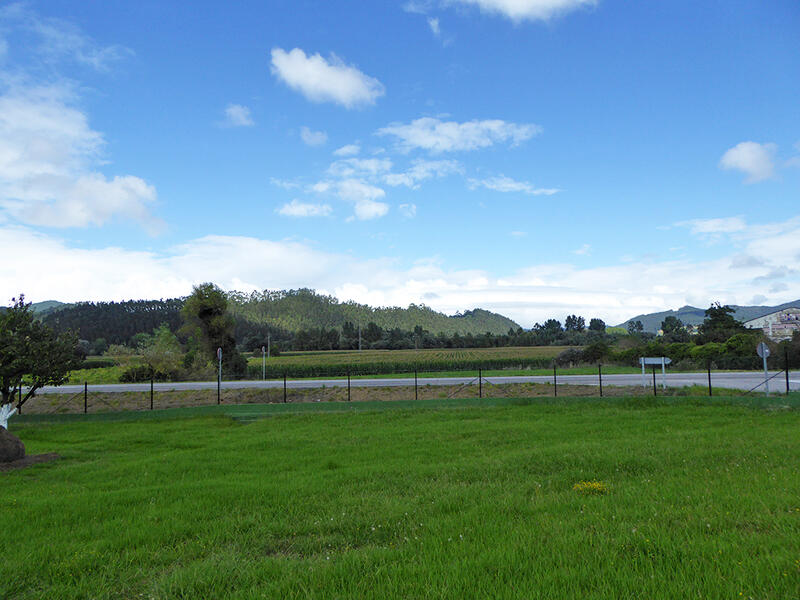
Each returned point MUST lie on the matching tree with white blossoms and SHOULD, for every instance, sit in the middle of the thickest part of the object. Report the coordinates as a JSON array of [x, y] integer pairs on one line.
[[32, 355]]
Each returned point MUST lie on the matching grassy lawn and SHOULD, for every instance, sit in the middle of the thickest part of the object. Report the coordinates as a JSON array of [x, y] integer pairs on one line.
[[438, 499]]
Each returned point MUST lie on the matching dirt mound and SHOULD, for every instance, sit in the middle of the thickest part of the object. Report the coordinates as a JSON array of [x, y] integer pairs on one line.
[[28, 461], [11, 448]]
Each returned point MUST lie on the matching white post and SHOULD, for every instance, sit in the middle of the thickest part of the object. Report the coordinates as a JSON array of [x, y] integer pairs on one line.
[[766, 374], [644, 379], [6, 412]]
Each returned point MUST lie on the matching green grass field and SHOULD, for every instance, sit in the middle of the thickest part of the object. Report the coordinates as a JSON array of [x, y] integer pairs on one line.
[[439, 499]]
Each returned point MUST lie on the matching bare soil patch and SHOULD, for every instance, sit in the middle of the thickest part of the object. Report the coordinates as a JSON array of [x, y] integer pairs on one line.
[[29, 461]]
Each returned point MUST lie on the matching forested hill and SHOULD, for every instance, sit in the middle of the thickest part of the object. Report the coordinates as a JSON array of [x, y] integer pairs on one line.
[[691, 315], [305, 309], [279, 312]]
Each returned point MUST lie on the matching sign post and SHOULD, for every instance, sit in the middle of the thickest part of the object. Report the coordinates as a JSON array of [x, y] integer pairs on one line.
[[763, 351], [658, 360]]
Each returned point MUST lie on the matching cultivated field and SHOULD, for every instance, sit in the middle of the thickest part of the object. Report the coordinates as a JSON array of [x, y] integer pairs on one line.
[[448, 499], [338, 362], [335, 363]]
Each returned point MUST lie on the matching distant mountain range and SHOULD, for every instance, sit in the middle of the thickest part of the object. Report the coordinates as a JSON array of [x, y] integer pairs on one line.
[[691, 315]]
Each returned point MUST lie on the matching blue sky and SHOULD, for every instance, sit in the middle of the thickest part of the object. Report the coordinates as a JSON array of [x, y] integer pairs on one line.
[[533, 157]]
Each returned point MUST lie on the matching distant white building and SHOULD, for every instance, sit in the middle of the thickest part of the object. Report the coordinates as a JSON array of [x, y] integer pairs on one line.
[[779, 325]]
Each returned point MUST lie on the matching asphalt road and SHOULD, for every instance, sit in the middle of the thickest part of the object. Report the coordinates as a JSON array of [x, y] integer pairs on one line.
[[741, 381]]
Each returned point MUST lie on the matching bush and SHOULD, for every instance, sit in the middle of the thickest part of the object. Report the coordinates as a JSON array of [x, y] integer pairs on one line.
[[96, 363], [142, 373]]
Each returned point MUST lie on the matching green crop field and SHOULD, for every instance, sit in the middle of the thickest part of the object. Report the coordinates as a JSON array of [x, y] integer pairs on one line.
[[499, 498], [339, 362]]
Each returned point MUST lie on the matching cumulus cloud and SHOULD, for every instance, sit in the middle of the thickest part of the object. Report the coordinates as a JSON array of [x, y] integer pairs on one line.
[[751, 158], [433, 23], [421, 170], [348, 150], [508, 185], [613, 292], [362, 195], [321, 80], [436, 136], [48, 160], [296, 208], [313, 138], [237, 115], [528, 10]]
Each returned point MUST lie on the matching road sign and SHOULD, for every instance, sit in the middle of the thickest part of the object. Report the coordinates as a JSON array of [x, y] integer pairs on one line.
[[763, 350], [659, 360]]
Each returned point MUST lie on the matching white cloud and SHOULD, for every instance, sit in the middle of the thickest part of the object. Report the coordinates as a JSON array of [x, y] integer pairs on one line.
[[321, 80], [713, 227], [421, 170], [295, 208], [348, 150], [613, 292], [584, 250], [436, 136], [409, 211], [751, 158], [366, 210], [531, 10], [434, 25], [506, 184], [361, 167], [361, 194], [419, 7], [313, 138], [237, 115], [60, 40], [48, 157]]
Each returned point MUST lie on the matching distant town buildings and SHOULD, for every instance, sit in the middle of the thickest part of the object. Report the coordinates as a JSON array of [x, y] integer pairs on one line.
[[779, 325]]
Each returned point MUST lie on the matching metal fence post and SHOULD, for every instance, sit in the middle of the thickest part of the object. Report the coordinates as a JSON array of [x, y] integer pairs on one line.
[[480, 384], [655, 389], [284, 387], [85, 397], [555, 382], [151, 392], [348, 385], [786, 365], [416, 397], [600, 378], [709, 380]]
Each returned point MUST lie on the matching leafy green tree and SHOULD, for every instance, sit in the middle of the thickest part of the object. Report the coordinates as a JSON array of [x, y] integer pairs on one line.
[[206, 319], [574, 323], [31, 353], [597, 325], [673, 330], [163, 353], [720, 323], [635, 327]]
